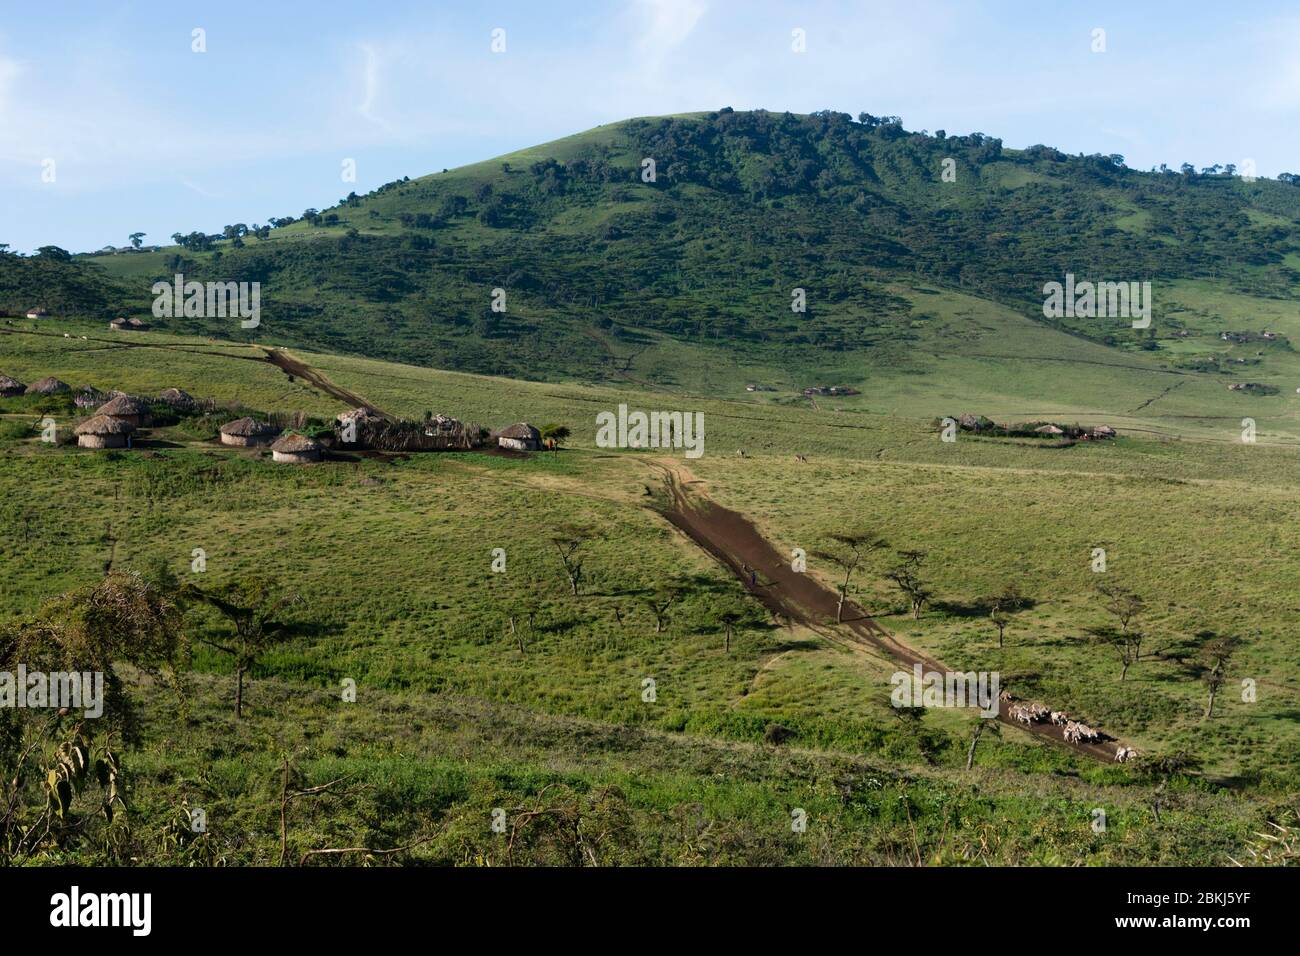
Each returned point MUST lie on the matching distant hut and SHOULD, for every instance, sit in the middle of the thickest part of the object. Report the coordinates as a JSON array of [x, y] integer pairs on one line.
[[295, 449], [103, 432], [1104, 431], [48, 386], [37, 313], [87, 396], [1049, 429], [126, 408], [176, 398], [10, 387], [121, 324], [248, 433], [520, 436]]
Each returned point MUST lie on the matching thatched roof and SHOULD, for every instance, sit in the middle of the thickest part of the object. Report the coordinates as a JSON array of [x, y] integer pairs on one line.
[[8, 384], [1049, 429], [123, 405], [248, 427], [521, 430], [175, 396], [294, 444], [103, 425], [87, 396], [48, 386]]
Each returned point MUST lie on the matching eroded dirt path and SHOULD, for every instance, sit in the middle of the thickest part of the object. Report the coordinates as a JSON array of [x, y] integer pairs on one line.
[[734, 541], [295, 366]]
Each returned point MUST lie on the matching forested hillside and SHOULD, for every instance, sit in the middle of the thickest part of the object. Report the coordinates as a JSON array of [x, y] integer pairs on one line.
[[743, 208]]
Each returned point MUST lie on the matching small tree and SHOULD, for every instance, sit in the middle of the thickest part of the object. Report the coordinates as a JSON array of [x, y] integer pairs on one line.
[[569, 542], [1007, 602], [906, 577], [660, 600], [1127, 644], [136, 239], [251, 607], [1123, 604], [982, 725], [557, 433], [847, 552], [1215, 653]]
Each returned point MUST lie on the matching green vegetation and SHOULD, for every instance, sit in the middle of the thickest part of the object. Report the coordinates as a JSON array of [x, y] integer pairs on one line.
[[477, 690]]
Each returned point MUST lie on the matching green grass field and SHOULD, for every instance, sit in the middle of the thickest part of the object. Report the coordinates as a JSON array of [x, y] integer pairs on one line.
[[453, 717]]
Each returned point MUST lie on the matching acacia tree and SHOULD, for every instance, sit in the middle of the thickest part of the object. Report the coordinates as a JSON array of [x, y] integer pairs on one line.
[[1007, 602], [1126, 639], [847, 552], [569, 542], [660, 600], [1215, 653], [906, 577], [982, 724], [251, 606]]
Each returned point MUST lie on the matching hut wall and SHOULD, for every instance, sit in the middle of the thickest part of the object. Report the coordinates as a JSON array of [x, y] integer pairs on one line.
[[296, 458]]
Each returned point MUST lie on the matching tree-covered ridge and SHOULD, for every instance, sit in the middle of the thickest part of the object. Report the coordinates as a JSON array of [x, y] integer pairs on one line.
[[598, 260]]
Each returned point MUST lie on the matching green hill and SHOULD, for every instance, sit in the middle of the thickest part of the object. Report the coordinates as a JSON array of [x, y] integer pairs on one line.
[[687, 281]]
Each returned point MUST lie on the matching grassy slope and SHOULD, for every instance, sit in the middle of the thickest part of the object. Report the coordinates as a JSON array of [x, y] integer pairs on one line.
[[400, 598]]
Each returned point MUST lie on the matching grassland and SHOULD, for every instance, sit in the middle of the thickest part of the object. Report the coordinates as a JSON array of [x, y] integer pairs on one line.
[[392, 557]]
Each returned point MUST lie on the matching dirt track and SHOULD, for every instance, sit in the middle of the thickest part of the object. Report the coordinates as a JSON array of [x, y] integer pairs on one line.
[[734, 541], [292, 366]]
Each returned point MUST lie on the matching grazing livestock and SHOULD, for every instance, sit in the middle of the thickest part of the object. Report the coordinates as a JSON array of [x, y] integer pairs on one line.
[[1125, 754], [1059, 718]]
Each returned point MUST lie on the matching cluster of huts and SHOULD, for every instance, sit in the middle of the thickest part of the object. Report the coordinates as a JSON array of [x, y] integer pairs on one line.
[[117, 416], [983, 425]]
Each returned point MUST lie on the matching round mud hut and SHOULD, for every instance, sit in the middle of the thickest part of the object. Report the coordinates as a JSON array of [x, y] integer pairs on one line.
[[295, 449], [48, 386], [520, 436], [103, 432], [9, 387], [126, 408], [248, 433]]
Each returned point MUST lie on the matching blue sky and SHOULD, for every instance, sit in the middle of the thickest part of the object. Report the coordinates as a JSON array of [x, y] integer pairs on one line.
[[147, 135]]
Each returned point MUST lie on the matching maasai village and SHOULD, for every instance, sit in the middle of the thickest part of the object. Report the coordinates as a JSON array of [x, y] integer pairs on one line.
[[446, 448]]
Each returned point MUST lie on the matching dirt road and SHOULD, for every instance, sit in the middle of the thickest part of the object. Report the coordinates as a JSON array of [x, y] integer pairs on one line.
[[293, 366], [734, 541]]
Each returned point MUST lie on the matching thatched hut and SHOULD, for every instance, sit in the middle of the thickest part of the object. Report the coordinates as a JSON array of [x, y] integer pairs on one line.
[[103, 432], [37, 313], [248, 433], [1104, 431], [176, 398], [48, 386], [126, 408], [121, 324], [10, 387], [1049, 429], [295, 449], [520, 436]]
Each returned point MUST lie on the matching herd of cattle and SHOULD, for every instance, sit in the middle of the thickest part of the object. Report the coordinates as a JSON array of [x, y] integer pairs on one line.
[[1076, 732]]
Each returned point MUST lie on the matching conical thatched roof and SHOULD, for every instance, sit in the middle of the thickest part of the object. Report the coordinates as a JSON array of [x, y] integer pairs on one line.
[[103, 425], [520, 430], [8, 384], [295, 444], [248, 427], [48, 386], [123, 405]]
